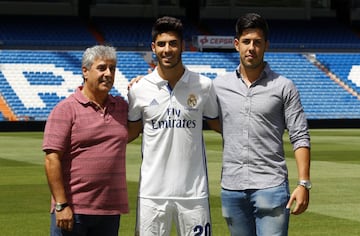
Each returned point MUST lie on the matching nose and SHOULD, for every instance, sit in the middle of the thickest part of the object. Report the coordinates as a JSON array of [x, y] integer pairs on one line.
[[108, 71], [251, 45], [167, 47]]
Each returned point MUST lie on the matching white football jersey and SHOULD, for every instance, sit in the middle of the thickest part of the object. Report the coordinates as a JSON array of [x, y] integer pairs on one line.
[[173, 150]]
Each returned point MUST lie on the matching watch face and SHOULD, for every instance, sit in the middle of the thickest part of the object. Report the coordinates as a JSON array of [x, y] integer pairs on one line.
[[57, 207], [60, 207], [305, 184]]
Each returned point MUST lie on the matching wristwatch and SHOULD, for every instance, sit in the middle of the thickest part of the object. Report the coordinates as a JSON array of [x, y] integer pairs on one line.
[[60, 206], [305, 183]]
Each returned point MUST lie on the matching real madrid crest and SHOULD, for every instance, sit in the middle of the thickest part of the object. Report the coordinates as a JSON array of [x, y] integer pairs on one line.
[[192, 100]]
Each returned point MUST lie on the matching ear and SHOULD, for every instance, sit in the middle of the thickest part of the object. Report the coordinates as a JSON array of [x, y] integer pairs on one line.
[[84, 72], [153, 47], [236, 44], [267, 45], [183, 46]]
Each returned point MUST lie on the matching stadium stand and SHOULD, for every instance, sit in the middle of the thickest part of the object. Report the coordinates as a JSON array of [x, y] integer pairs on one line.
[[321, 96], [44, 32], [316, 34], [33, 82], [120, 32], [41, 58], [303, 34], [345, 65]]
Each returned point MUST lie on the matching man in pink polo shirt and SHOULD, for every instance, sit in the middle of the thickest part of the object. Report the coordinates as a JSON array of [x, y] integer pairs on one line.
[[85, 142]]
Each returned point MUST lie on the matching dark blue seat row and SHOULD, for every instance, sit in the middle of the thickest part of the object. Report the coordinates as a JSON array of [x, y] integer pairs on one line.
[[46, 31]]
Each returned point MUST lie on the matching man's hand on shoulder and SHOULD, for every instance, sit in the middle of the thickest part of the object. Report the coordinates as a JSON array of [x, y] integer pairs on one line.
[[137, 79]]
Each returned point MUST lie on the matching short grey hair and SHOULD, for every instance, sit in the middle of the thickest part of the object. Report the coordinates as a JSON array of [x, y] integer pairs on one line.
[[98, 52]]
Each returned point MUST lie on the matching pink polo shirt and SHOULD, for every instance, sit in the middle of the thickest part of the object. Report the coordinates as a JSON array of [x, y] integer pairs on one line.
[[94, 146]]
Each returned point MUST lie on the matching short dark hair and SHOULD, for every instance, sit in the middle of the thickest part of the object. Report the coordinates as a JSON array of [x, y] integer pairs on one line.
[[251, 21], [166, 24]]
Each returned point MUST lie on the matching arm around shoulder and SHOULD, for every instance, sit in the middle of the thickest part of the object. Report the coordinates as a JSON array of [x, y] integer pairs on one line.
[[214, 124], [134, 130]]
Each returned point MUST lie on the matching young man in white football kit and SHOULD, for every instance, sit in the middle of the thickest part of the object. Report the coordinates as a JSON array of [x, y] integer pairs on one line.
[[168, 106]]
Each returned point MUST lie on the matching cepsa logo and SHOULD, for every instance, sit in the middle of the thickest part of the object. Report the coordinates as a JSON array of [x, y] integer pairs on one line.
[[203, 40], [215, 41]]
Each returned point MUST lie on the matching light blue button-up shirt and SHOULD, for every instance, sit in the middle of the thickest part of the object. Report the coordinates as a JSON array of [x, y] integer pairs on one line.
[[254, 120]]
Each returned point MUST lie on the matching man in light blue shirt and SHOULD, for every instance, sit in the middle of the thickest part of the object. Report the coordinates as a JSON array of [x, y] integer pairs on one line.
[[257, 105]]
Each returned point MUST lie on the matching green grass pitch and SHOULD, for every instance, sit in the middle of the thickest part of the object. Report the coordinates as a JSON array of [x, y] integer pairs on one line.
[[334, 205]]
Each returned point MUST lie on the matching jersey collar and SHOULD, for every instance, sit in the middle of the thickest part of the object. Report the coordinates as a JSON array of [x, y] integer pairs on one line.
[[155, 77]]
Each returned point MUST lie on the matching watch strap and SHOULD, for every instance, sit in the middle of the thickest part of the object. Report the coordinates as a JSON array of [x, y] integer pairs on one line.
[[60, 206]]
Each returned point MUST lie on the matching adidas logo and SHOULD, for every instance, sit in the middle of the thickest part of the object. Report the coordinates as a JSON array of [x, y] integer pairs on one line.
[[154, 102]]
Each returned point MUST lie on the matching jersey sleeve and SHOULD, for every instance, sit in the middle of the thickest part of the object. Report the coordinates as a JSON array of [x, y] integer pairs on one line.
[[134, 113]]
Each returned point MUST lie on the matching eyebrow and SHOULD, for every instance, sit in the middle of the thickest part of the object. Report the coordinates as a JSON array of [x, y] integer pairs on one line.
[[164, 41]]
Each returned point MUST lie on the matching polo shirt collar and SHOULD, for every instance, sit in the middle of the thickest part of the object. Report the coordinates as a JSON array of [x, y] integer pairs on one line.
[[80, 97]]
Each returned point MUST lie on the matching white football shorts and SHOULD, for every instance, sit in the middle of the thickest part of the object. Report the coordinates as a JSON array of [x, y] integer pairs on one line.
[[155, 217]]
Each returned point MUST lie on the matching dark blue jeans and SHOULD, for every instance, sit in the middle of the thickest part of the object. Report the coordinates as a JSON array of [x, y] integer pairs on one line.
[[89, 225]]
